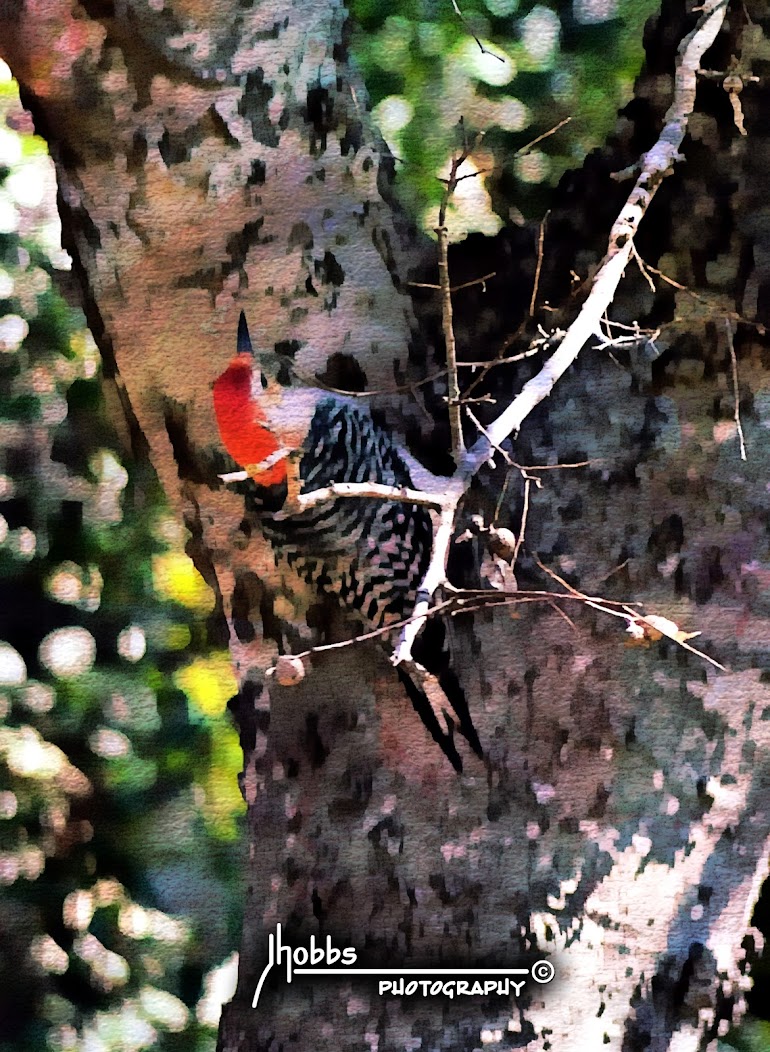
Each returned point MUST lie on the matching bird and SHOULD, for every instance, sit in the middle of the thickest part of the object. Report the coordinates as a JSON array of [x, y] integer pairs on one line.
[[372, 554]]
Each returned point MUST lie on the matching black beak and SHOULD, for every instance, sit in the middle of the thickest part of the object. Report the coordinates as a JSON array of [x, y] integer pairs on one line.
[[244, 340]]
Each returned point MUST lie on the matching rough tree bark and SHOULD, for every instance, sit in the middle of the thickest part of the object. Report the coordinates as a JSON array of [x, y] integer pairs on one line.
[[214, 158]]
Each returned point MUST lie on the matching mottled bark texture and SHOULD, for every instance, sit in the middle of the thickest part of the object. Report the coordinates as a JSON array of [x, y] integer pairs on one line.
[[217, 157]]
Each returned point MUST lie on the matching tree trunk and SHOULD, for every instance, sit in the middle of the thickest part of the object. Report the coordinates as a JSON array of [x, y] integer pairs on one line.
[[213, 159]]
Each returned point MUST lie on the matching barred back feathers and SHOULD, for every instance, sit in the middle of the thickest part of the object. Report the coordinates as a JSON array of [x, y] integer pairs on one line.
[[371, 553]]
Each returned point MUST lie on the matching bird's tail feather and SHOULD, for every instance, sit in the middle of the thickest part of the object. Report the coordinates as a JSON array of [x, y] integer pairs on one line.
[[436, 694]]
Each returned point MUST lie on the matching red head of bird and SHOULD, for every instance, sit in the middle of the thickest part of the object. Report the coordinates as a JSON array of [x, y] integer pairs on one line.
[[241, 418]]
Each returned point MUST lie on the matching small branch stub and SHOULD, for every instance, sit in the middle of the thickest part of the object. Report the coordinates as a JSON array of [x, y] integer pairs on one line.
[[289, 670]]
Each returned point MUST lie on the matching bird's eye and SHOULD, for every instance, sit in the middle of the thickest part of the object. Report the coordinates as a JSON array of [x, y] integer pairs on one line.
[[263, 378]]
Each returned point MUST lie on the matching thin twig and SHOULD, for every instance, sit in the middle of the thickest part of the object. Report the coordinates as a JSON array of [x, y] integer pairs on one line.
[[605, 343], [509, 340], [487, 399], [635, 328], [635, 333], [459, 178], [612, 573], [731, 314], [557, 467], [464, 20], [523, 524], [671, 281], [553, 574], [693, 650], [562, 613], [442, 234], [495, 599], [375, 633], [630, 616], [736, 394], [523, 149], [382, 391], [530, 595], [643, 268], [488, 366], [536, 285], [453, 387], [506, 456], [492, 362], [455, 288], [503, 491], [603, 606], [476, 281]]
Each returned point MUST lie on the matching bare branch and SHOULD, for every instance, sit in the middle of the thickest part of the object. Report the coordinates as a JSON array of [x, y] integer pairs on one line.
[[372, 490], [486, 399], [503, 491], [617, 569], [459, 178], [640, 336], [459, 597], [486, 367], [434, 577], [562, 613], [635, 328], [655, 164]]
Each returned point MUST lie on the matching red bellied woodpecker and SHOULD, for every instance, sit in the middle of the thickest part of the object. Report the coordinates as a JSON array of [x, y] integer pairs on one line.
[[371, 553]]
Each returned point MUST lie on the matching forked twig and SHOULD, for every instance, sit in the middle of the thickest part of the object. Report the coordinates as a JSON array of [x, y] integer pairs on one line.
[[464, 20], [633, 618]]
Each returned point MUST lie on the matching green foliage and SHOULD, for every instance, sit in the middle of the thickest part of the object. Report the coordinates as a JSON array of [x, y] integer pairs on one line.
[[752, 1036], [119, 805], [424, 72]]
